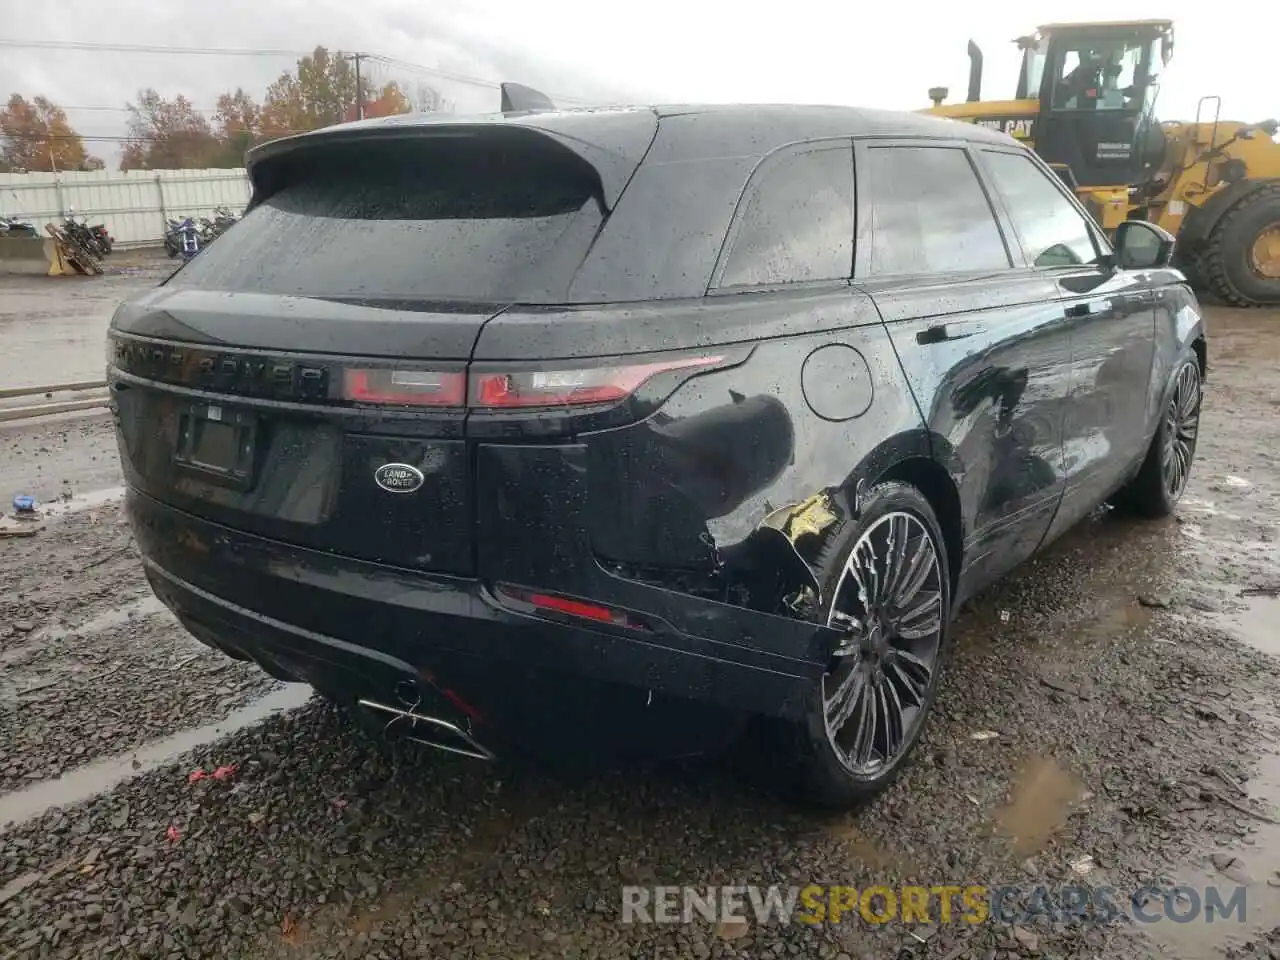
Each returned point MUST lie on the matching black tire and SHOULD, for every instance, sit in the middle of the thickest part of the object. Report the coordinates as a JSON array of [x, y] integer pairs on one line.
[[826, 771], [1192, 266], [1230, 272], [1156, 488]]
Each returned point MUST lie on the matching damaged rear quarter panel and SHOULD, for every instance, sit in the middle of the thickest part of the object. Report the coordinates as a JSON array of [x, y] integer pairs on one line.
[[820, 404]]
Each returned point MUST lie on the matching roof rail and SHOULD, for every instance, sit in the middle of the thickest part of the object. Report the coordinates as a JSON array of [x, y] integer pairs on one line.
[[517, 98]]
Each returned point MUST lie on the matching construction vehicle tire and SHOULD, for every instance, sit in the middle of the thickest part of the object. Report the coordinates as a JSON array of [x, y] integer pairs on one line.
[[1192, 266], [1241, 263]]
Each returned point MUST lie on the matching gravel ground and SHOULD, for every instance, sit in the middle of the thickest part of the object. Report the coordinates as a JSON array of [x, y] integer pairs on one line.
[[91, 663], [54, 461], [1115, 699]]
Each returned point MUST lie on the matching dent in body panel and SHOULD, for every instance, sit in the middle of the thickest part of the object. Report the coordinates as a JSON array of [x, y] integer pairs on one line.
[[1112, 342], [1179, 324], [734, 479], [988, 358]]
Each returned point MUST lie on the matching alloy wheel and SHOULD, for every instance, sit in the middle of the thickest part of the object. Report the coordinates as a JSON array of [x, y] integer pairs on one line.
[[889, 601], [1182, 424], [1264, 255]]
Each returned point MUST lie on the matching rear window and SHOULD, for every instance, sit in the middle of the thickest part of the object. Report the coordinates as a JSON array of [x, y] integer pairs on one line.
[[507, 218]]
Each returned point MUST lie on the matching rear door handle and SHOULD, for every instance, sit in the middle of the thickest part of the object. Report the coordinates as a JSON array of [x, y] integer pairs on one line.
[[955, 331]]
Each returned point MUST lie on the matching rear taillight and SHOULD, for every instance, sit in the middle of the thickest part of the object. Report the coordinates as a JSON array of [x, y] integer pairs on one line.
[[574, 387], [409, 388], [579, 386]]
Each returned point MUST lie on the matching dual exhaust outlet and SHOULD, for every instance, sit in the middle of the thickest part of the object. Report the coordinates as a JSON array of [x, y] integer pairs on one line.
[[408, 722]]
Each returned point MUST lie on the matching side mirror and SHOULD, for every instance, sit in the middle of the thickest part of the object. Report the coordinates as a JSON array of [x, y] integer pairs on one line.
[[1142, 246]]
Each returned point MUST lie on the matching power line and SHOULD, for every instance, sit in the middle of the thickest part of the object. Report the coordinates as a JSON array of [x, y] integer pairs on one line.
[[250, 52], [445, 74], [128, 109], [460, 78], [151, 48]]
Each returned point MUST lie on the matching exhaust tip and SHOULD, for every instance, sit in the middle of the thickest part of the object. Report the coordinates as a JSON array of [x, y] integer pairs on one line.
[[409, 724]]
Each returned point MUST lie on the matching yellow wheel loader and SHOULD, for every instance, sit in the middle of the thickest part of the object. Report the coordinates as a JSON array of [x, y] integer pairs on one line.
[[1085, 101]]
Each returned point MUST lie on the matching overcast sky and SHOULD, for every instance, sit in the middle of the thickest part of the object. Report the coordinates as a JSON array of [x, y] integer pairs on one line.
[[660, 50]]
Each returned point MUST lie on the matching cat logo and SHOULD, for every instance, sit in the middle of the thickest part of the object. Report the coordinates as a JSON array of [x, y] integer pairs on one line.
[[1019, 129]]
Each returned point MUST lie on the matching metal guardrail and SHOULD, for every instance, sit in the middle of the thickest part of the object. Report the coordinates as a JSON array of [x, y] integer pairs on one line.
[[27, 411], [9, 392]]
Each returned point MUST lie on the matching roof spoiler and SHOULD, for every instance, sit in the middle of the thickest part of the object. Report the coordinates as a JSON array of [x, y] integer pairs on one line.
[[517, 98]]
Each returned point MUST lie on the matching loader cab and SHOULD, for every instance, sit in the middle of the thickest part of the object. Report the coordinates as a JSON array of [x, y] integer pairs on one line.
[[1097, 85]]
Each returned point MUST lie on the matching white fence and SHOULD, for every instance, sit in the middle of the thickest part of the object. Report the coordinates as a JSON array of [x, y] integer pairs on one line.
[[132, 204]]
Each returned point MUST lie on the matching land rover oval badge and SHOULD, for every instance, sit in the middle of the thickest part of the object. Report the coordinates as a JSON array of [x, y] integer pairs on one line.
[[398, 478]]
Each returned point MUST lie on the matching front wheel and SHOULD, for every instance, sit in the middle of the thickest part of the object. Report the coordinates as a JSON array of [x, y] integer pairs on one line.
[[886, 585], [1162, 478]]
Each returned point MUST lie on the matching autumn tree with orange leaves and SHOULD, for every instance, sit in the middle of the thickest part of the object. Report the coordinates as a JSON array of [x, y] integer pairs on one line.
[[319, 92], [168, 134], [389, 101], [239, 126], [36, 136], [322, 91]]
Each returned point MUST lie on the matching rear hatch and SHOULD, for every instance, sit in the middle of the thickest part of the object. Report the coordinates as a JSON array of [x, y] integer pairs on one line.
[[304, 377]]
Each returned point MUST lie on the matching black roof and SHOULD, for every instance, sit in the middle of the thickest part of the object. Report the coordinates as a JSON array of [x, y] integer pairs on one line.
[[763, 128], [704, 129]]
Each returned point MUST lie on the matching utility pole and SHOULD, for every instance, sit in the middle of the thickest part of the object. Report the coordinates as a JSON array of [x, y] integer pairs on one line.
[[357, 57]]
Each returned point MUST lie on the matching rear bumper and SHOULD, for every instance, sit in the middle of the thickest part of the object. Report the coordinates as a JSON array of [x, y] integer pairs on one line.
[[359, 629]]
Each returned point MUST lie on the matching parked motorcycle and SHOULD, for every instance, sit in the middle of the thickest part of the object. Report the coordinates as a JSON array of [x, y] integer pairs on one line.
[[172, 240], [213, 227], [187, 235], [94, 240], [13, 227], [206, 230], [103, 237], [224, 219]]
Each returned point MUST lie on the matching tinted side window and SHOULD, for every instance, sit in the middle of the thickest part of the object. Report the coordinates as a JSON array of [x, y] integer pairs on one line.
[[1053, 232], [797, 223], [930, 214]]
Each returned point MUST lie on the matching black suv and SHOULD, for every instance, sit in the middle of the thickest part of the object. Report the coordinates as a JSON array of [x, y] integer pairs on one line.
[[717, 408]]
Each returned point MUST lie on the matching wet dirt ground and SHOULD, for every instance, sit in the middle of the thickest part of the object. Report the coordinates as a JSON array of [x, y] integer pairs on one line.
[[1111, 719], [52, 329]]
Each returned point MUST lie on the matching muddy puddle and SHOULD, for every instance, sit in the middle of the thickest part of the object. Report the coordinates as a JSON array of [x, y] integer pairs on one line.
[[1257, 623], [100, 776], [1043, 796], [80, 502]]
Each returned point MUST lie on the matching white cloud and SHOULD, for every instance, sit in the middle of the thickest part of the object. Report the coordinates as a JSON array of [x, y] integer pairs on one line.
[[664, 50]]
